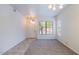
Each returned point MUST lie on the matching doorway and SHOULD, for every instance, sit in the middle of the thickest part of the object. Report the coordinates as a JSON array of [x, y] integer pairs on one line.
[[47, 29], [31, 27]]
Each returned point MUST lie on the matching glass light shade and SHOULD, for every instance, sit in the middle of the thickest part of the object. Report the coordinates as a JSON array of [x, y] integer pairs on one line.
[[32, 21], [54, 8], [61, 6], [50, 6]]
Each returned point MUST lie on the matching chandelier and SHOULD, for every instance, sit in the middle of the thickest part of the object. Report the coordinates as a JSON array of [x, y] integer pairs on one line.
[[55, 6]]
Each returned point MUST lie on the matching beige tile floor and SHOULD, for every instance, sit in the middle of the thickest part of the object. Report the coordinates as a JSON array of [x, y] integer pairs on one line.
[[40, 47]]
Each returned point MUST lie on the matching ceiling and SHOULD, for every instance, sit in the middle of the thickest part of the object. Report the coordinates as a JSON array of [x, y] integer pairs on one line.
[[40, 10]]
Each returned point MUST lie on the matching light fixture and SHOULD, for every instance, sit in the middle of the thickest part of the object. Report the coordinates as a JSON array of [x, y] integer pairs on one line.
[[50, 6], [54, 7], [32, 21], [61, 6]]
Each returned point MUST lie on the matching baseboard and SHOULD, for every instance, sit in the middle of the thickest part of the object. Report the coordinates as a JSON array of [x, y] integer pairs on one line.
[[39, 39], [11, 47], [31, 38], [67, 47]]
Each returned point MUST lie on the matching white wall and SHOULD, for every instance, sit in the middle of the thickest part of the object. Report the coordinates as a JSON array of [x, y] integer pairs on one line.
[[11, 28], [69, 18]]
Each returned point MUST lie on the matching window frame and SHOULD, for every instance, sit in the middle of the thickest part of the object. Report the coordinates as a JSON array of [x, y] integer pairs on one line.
[[45, 28]]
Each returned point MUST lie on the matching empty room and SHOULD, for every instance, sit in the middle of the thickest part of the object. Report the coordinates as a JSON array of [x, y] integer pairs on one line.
[[39, 29]]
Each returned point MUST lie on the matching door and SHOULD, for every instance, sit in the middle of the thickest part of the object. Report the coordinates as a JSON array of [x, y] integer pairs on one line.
[[31, 28], [46, 30]]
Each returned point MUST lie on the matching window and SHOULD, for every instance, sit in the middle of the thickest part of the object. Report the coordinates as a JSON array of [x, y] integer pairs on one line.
[[59, 27], [46, 27]]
